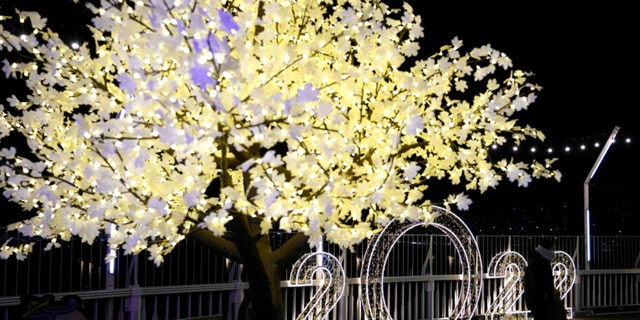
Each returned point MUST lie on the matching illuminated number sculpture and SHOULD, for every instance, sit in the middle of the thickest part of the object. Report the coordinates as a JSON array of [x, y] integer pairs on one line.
[[564, 271], [330, 275], [380, 245], [509, 265]]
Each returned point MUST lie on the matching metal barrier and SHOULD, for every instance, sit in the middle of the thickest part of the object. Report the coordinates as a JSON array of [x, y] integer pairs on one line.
[[422, 274]]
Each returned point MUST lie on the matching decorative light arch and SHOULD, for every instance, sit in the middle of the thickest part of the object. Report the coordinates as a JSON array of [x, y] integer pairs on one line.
[[380, 245]]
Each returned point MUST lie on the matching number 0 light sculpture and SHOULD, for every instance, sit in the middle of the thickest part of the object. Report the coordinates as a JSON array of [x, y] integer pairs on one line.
[[380, 245]]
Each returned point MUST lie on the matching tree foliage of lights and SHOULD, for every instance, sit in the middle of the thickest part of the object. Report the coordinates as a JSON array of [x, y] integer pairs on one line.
[[209, 116]]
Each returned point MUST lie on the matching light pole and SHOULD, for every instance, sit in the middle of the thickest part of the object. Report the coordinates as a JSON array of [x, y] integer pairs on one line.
[[587, 218]]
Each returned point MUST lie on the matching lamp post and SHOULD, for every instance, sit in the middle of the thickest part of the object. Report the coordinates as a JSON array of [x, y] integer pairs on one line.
[[587, 218]]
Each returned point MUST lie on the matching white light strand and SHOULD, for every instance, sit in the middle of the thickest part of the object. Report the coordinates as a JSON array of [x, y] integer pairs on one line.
[[593, 143]]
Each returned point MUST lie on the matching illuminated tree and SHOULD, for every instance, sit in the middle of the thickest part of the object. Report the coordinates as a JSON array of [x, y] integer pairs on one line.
[[224, 120]]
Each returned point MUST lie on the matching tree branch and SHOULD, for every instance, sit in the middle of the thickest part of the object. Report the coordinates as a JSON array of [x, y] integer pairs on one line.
[[227, 248], [291, 250]]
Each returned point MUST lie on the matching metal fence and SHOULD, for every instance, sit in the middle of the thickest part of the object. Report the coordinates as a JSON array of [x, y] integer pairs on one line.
[[422, 275]]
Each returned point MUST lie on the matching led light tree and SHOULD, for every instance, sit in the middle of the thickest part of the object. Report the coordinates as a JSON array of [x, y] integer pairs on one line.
[[223, 120]]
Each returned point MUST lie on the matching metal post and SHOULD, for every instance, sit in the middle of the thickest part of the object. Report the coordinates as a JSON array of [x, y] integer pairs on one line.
[[133, 302], [587, 218]]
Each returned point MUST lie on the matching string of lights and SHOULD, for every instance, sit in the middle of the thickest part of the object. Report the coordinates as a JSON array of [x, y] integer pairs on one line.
[[563, 146]]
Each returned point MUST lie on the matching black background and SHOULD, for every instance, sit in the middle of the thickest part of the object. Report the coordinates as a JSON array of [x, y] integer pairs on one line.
[[584, 58]]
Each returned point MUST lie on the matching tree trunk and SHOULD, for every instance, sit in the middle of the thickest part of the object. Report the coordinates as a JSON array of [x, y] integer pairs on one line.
[[262, 264], [264, 282], [263, 275]]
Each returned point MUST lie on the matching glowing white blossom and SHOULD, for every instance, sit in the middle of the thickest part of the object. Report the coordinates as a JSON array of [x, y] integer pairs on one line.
[[190, 116]]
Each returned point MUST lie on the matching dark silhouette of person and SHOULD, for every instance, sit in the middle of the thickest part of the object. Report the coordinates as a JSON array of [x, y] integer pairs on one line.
[[541, 297]]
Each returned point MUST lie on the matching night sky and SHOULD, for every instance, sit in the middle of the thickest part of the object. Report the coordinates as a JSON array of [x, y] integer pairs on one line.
[[582, 56]]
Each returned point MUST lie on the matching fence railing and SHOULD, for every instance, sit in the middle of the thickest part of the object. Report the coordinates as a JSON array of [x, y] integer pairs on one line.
[[422, 275]]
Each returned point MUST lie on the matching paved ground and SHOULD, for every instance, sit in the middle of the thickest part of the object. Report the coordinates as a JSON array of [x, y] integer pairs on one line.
[[622, 316]]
